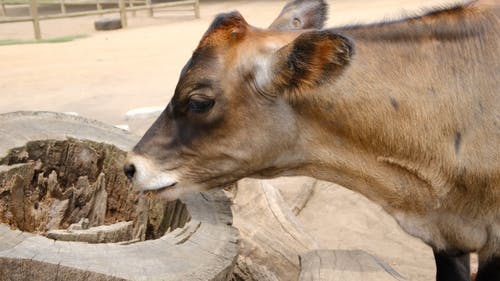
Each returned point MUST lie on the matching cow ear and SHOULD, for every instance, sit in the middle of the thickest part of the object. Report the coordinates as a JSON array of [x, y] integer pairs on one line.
[[301, 14], [311, 60]]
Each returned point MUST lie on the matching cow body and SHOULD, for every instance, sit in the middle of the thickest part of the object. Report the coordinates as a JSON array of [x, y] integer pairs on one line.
[[423, 124], [406, 113]]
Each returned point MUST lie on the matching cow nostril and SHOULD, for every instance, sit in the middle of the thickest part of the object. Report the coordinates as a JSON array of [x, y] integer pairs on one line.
[[129, 170]]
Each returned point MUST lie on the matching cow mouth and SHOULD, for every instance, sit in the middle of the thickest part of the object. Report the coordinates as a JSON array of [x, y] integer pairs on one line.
[[159, 190]]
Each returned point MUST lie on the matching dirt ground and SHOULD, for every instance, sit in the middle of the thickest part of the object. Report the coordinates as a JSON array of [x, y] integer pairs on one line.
[[109, 73]]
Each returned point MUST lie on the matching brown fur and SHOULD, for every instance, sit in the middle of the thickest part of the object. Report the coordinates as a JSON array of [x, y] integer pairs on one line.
[[224, 31], [410, 119]]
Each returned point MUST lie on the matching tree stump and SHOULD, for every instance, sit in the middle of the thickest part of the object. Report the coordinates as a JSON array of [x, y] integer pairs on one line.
[[345, 265], [203, 245], [271, 237]]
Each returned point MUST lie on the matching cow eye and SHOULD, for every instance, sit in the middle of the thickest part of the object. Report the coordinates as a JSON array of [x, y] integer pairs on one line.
[[200, 105]]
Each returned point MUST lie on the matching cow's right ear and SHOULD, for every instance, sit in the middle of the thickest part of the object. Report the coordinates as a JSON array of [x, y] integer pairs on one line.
[[313, 59], [301, 14]]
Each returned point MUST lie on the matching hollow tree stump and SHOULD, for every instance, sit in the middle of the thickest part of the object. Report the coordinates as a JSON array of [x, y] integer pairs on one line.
[[204, 248]]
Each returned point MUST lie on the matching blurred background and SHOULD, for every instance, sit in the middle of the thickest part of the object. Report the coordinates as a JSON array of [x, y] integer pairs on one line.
[[104, 74]]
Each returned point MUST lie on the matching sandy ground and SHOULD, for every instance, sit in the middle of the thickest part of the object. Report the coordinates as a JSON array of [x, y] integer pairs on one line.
[[108, 73]]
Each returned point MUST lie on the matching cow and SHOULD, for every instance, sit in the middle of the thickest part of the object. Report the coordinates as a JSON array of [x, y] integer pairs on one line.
[[405, 112]]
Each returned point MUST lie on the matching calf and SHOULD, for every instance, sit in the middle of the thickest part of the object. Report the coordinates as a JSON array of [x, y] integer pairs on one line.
[[406, 113]]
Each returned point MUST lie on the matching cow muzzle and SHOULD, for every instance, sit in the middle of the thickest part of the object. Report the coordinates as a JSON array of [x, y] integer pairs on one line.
[[146, 176]]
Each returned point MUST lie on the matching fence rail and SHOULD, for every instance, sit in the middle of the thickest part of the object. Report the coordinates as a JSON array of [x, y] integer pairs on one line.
[[122, 9]]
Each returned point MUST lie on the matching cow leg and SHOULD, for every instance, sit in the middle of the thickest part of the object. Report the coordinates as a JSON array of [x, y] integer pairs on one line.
[[489, 270], [452, 267]]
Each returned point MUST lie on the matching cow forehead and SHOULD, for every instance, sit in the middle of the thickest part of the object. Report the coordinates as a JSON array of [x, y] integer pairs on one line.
[[226, 28], [222, 34], [218, 45], [231, 43]]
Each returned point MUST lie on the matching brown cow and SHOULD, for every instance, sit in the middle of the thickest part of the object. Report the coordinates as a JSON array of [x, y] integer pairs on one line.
[[406, 113]]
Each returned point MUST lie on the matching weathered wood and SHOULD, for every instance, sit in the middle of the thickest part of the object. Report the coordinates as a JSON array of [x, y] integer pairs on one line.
[[271, 237], [97, 215], [17, 128], [131, 4], [150, 8], [8, 19], [123, 12], [197, 9], [206, 248], [81, 175], [10, 238], [3, 10], [296, 191], [102, 2], [35, 19], [63, 7], [114, 233], [344, 265]]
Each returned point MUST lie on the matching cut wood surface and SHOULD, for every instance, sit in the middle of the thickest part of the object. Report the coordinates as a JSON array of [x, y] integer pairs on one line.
[[345, 265], [117, 232], [205, 248], [296, 191], [341, 219], [271, 238]]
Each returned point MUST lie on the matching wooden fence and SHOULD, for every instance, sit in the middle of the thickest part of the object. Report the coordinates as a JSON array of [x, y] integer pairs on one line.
[[122, 9]]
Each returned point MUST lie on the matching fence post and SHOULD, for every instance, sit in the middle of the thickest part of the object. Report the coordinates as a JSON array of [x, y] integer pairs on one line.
[[34, 16], [3, 11], [131, 5], [63, 7], [197, 9], [150, 9], [98, 4], [123, 13]]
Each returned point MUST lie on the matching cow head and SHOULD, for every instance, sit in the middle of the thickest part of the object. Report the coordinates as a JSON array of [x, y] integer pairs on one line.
[[232, 114]]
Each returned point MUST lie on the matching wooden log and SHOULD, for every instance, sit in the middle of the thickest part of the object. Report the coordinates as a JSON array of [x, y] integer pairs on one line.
[[271, 238], [108, 24], [345, 265], [206, 248]]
